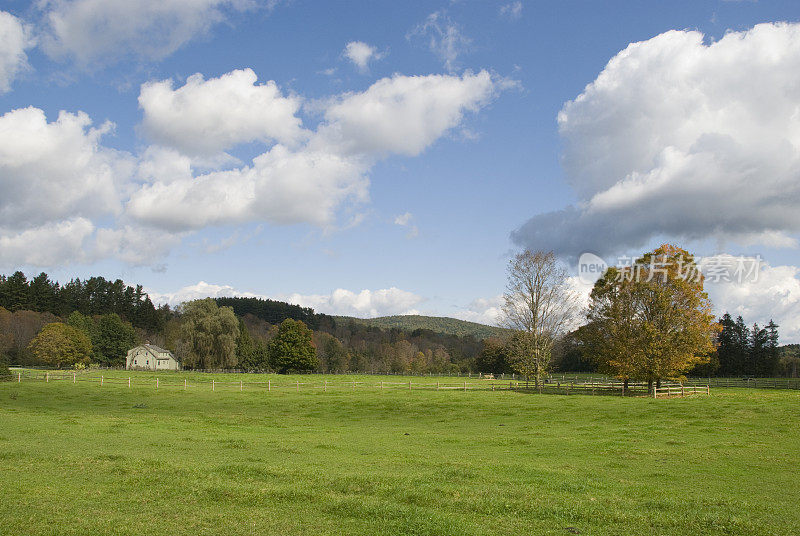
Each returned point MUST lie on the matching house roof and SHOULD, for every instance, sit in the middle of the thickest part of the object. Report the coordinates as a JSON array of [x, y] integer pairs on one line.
[[155, 350]]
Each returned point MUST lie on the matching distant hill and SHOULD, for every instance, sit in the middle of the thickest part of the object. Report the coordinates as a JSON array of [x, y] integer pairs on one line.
[[437, 324]]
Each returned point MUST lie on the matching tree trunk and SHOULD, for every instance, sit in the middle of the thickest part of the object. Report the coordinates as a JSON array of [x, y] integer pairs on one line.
[[650, 386]]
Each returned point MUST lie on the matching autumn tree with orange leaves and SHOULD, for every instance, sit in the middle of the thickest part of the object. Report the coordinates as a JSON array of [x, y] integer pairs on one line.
[[651, 320]]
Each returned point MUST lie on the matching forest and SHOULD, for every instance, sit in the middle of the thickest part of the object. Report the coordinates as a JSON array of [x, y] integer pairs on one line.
[[114, 317]]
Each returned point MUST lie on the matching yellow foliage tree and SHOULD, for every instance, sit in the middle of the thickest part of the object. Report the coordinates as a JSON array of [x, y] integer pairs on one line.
[[652, 320], [61, 345]]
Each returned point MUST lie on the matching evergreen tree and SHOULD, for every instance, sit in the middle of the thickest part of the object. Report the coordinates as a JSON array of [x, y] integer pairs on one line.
[[726, 347], [741, 346], [114, 337], [758, 350], [772, 354]]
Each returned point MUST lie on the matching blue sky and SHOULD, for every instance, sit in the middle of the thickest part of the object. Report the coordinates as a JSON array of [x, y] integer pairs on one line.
[[391, 156]]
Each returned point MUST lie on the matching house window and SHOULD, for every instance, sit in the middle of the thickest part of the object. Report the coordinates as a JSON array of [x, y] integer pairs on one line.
[[148, 362], [134, 361]]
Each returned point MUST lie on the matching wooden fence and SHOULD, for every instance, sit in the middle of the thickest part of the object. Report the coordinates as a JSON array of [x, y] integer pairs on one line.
[[593, 387], [671, 391]]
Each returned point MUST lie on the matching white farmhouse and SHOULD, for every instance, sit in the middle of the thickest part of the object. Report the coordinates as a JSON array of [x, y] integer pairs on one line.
[[151, 357]]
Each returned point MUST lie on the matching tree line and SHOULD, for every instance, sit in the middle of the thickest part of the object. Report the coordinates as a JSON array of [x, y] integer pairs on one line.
[[113, 317], [649, 321]]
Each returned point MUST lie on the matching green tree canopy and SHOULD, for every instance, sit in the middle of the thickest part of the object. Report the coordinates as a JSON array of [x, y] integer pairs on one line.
[[292, 349], [113, 340], [209, 334], [61, 345]]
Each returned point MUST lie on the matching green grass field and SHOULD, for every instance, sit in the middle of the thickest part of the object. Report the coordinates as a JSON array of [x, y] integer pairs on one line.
[[84, 459]]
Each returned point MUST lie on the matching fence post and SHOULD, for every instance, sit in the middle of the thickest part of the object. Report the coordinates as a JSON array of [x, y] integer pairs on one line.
[[269, 385], [298, 386], [73, 377], [381, 385], [101, 380], [325, 386], [437, 386], [156, 383], [683, 394], [354, 385], [46, 377], [212, 385], [409, 386], [19, 377], [184, 384], [241, 386], [465, 387], [708, 389]]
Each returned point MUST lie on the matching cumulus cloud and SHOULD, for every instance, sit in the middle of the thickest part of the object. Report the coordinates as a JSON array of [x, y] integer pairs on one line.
[[53, 171], [684, 139], [15, 38], [403, 114], [768, 292], [443, 36], [206, 117], [366, 303], [487, 311], [141, 206], [196, 292], [310, 182], [281, 187], [50, 244], [103, 31], [360, 53]]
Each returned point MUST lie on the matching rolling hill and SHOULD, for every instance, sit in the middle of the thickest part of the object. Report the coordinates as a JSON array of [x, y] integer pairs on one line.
[[449, 326]]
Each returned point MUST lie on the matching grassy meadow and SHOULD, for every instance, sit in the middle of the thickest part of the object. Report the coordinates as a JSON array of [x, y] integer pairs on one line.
[[84, 459]]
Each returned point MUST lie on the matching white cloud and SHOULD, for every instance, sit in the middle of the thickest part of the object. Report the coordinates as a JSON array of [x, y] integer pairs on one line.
[[405, 220], [403, 114], [309, 183], [141, 207], [103, 31], [51, 244], [361, 54], [682, 139], [487, 311], [206, 117], [196, 292], [443, 36], [15, 38], [772, 293], [134, 245], [512, 11], [281, 187], [365, 304], [56, 171]]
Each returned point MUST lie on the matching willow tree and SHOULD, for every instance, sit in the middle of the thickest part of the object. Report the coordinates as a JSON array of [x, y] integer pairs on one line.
[[209, 334], [539, 306], [651, 320]]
